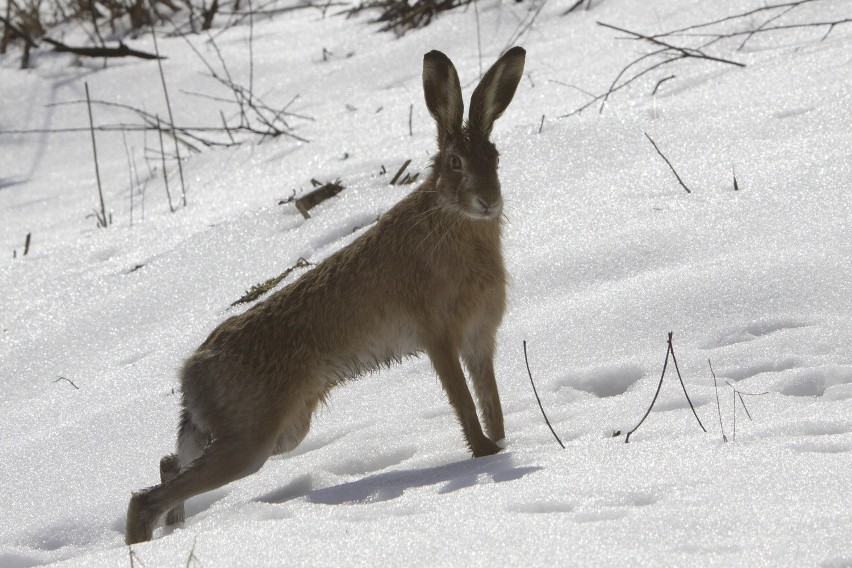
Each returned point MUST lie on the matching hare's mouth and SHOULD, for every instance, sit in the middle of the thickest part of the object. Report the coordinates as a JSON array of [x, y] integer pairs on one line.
[[481, 209]]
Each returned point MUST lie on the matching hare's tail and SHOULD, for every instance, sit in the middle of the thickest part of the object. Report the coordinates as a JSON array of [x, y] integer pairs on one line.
[[191, 443]]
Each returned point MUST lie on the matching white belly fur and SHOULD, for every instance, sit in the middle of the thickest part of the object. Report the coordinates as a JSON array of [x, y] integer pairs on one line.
[[372, 352]]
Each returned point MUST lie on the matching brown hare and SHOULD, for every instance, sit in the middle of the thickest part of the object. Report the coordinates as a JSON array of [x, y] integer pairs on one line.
[[428, 277]]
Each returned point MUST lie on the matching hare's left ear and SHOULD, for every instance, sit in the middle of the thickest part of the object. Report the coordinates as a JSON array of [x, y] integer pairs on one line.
[[495, 91]]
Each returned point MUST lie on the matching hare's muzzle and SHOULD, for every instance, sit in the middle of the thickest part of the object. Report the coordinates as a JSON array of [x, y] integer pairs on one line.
[[485, 201], [488, 208]]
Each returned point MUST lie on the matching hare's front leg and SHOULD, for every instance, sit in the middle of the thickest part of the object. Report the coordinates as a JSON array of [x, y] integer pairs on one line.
[[478, 355], [445, 359]]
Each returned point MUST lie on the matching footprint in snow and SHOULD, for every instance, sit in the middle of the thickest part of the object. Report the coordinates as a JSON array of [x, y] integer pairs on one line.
[[755, 330], [541, 507], [603, 382], [371, 463], [815, 382], [65, 533], [816, 428], [631, 499], [822, 447], [18, 560], [768, 366]]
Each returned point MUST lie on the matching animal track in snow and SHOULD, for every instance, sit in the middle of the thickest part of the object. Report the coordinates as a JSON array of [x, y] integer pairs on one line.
[[130, 359], [815, 428], [632, 499], [742, 373], [312, 443], [369, 464], [822, 447], [541, 507], [676, 400], [603, 381], [18, 560], [793, 112], [813, 382], [59, 535], [755, 330]]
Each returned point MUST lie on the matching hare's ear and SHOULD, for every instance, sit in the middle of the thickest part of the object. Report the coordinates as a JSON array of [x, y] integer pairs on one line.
[[443, 94], [495, 91]]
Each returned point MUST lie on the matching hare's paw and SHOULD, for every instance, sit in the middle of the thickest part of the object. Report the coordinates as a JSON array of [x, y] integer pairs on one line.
[[141, 518], [484, 447]]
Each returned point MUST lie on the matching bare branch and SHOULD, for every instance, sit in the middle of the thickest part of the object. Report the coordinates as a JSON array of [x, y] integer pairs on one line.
[[535, 392], [683, 185]]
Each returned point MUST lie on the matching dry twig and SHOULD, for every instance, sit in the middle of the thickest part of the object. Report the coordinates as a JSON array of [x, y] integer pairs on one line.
[[259, 290], [535, 392], [671, 167], [669, 351], [103, 222]]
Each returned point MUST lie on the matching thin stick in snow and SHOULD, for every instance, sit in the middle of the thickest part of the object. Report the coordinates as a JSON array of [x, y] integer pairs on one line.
[[478, 40], [102, 217], [671, 167], [718, 404], [660, 82], [171, 116], [656, 394], [739, 394], [69, 381], [129, 173], [192, 559], [165, 173], [686, 394], [535, 392], [251, 48], [140, 187], [669, 351]]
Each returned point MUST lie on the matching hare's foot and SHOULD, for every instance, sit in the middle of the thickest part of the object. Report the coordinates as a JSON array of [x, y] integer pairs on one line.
[[141, 518], [484, 447]]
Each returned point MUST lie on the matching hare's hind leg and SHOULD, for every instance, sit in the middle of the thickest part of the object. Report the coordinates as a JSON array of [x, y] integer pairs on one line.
[[478, 357], [226, 459], [295, 429], [446, 362], [190, 445]]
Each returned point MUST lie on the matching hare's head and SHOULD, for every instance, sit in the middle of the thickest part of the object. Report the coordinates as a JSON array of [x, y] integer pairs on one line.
[[466, 164]]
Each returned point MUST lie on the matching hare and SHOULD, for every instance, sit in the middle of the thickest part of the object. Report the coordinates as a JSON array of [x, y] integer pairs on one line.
[[428, 277]]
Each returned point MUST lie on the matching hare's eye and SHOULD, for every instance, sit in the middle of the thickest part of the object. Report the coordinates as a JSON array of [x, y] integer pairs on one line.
[[455, 162]]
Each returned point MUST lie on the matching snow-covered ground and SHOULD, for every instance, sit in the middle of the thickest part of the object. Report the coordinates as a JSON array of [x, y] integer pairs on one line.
[[606, 251]]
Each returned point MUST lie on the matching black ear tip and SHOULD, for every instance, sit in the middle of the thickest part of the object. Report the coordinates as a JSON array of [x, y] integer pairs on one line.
[[436, 56], [516, 51]]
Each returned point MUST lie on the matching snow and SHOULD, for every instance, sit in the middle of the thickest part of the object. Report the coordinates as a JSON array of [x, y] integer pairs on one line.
[[607, 254]]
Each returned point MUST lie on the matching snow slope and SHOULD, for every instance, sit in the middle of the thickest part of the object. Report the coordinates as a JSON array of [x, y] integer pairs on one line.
[[607, 255]]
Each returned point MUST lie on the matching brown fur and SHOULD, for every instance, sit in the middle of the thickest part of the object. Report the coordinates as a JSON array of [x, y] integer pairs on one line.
[[428, 277]]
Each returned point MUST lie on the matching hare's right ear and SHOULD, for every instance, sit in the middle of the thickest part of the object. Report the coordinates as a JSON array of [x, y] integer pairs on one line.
[[443, 94]]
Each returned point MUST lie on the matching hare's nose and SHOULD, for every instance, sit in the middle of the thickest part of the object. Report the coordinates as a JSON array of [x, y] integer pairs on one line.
[[486, 208]]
